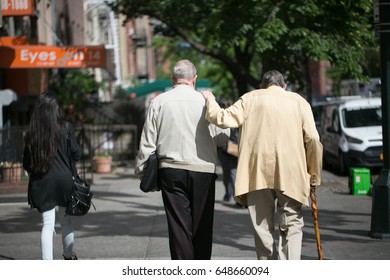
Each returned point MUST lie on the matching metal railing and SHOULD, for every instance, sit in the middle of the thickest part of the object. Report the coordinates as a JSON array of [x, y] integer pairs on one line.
[[11, 153], [118, 140]]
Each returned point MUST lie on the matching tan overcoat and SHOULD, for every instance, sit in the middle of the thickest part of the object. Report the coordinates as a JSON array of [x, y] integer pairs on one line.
[[279, 146]]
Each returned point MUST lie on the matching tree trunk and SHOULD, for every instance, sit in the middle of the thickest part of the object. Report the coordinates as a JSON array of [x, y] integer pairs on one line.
[[309, 89], [242, 86]]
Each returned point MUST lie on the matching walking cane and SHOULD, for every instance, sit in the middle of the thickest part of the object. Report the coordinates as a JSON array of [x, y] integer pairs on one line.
[[314, 208]]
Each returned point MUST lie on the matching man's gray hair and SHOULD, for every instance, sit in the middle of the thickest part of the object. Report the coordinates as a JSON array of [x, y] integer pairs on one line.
[[184, 69], [272, 77]]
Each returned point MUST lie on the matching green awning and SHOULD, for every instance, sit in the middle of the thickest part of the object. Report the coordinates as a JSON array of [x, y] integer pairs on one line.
[[159, 86]]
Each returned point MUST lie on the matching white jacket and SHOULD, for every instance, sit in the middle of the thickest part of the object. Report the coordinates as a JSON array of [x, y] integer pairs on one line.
[[176, 128]]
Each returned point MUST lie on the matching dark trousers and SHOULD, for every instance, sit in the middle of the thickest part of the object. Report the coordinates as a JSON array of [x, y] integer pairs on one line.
[[189, 206], [229, 168]]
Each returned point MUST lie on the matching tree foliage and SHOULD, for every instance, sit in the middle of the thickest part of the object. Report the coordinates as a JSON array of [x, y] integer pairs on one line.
[[74, 88], [252, 36], [208, 68]]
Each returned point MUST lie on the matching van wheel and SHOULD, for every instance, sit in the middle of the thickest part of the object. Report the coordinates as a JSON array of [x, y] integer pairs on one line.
[[342, 164]]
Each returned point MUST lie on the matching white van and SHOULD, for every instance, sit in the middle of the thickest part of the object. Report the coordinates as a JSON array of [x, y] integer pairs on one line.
[[351, 133]]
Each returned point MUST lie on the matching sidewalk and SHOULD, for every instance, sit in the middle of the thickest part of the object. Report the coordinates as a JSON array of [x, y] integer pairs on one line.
[[129, 224]]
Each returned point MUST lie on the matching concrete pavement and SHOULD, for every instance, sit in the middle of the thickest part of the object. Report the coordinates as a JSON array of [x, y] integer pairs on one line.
[[129, 224]]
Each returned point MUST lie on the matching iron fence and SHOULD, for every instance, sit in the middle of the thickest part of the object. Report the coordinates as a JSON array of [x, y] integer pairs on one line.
[[119, 141]]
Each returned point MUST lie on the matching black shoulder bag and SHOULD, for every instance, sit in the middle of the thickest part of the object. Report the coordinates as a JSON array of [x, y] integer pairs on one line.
[[149, 181], [81, 198]]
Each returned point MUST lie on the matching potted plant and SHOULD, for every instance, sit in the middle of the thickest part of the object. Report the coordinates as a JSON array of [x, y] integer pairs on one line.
[[102, 163], [12, 171]]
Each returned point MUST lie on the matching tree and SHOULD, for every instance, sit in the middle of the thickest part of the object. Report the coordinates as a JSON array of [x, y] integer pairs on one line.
[[208, 68], [75, 88], [251, 36]]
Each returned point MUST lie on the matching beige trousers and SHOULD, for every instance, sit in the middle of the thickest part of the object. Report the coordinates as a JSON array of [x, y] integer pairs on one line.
[[261, 206]]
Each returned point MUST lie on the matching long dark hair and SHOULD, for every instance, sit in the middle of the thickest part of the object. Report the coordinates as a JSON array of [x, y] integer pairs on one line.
[[45, 131]]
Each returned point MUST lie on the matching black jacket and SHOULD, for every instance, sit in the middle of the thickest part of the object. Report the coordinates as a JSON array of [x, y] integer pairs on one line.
[[54, 187]]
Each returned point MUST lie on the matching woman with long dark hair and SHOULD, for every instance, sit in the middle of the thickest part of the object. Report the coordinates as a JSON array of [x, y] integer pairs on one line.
[[46, 159]]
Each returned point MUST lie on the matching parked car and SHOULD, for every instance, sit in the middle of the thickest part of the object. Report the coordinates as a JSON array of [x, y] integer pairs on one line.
[[351, 133]]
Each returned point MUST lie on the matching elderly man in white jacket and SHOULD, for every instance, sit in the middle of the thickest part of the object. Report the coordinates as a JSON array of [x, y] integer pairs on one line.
[[186, 146], [280, 157]]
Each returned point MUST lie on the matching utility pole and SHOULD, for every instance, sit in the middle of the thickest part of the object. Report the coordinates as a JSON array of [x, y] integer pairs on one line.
[[380, 216]]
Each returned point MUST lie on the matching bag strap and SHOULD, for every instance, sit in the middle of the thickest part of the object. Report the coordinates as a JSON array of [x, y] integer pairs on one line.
[[71, 161]]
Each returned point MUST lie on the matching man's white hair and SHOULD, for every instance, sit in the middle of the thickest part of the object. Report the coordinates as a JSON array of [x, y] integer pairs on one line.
[[184, 69]]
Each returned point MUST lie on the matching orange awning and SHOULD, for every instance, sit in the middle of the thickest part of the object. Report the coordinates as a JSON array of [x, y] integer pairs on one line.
[[13, 41]]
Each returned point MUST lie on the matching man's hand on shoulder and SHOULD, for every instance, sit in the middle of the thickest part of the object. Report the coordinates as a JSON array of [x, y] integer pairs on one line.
[[207, 94]]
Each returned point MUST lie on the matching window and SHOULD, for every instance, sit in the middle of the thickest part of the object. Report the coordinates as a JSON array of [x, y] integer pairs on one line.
[[362, 117]]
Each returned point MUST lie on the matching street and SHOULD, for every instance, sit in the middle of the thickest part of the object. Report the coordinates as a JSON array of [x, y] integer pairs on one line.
[[129, 224]]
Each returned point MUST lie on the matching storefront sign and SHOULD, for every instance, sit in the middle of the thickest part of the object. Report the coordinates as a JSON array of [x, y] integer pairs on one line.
[[30, 56], [17, 7]]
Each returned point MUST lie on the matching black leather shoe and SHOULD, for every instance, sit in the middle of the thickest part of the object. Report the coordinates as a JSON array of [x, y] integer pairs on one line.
[[73, 257]]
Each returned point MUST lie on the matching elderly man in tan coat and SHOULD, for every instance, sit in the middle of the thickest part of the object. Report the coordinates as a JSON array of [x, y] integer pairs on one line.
[[280, 158]]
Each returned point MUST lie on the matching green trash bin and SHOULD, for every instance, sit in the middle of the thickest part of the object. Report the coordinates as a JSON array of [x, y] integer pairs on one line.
[[359, 181]]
